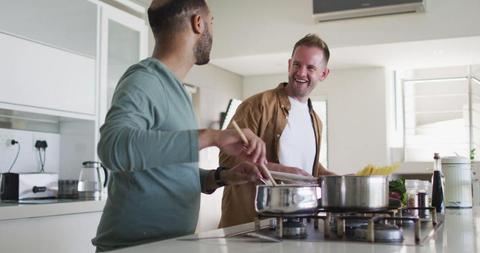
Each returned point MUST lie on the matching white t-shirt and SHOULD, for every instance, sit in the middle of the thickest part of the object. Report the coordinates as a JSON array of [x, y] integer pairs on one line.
[[297, 142]]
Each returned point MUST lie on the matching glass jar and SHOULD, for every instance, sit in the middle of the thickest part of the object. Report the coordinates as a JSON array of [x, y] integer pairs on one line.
[[418, 195]]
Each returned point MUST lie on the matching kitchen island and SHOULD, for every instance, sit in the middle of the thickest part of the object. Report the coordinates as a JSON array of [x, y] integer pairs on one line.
[[459, 233]]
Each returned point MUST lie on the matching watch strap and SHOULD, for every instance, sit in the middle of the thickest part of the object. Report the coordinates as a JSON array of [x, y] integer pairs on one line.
[[218, 180]]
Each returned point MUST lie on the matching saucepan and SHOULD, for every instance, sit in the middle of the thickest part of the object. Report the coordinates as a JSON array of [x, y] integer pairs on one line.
[[286, 199], [354, 193]]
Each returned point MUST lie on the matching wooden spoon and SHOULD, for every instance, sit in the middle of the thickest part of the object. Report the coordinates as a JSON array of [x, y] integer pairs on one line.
[[262, 166]]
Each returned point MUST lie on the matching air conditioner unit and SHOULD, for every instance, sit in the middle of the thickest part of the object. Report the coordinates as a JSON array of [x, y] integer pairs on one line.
[[326, 10]]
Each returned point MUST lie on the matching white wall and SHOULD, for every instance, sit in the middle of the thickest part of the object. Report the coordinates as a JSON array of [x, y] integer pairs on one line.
[[216, 87], [76, 142], [256, 84], [357, 118], [272, 26], [357, 115], [28, 158]]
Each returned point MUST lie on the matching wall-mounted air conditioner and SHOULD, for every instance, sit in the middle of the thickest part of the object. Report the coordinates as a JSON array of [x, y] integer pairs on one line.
[[325, 10]]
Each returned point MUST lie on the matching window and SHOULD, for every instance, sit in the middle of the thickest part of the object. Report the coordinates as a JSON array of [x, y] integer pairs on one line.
[[231, 109], [475, 118], [440, 112]]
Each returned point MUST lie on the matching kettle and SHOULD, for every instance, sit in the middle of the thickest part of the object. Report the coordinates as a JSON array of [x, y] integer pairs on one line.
[[89, 183]]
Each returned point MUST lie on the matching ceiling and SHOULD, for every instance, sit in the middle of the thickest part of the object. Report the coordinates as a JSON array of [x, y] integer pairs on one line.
[[405, 55], [254, 37]]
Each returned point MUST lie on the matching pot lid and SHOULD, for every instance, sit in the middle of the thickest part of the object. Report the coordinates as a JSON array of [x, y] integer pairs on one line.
[[455, 159]]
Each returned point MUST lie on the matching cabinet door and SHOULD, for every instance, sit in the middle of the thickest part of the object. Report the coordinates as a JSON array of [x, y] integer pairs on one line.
[[48, 50], [123, 43], [62, 233], [40, 76], [68, 25]]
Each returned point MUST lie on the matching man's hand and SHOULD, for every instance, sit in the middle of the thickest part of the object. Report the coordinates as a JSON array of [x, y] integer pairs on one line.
[[287, 169], [242, 173], [230, 142]]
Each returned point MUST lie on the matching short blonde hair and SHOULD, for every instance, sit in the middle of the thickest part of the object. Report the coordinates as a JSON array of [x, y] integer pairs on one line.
[[312, 40]]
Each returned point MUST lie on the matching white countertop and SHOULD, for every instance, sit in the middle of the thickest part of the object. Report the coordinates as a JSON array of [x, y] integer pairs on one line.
[[9, 211], [460, 233]]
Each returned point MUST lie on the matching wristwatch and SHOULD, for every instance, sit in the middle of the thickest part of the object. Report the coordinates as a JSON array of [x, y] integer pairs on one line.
[[219, 181]]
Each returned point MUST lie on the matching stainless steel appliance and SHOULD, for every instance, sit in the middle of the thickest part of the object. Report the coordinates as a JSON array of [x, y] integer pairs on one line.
[[354, 208], [393, 226], [90, 183], [357, 193], [335, 10], [27, 186], [298, 199]]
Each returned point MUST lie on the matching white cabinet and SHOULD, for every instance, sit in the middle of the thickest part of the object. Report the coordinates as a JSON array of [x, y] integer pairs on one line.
[[66, 57], [63, 233], [67, 25], [49, 57], [40, 76], [59, 64], [124, 43]]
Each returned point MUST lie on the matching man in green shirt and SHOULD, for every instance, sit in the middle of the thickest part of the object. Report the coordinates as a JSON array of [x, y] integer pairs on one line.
[[150, 140]]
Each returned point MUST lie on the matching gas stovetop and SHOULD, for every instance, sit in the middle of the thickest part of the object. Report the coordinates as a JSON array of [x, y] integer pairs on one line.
[[398, 226]]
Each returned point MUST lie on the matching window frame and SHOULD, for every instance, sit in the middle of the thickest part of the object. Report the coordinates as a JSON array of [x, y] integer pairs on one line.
[[400, 110]]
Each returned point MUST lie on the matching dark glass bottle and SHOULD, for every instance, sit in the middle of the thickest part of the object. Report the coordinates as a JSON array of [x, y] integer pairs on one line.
[[437, 186]]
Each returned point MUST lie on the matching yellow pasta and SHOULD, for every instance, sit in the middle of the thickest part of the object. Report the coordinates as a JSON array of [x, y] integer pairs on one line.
[[371, 170]]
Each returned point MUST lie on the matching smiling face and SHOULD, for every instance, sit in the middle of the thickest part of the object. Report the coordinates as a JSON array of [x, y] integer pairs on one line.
[[305, 69]]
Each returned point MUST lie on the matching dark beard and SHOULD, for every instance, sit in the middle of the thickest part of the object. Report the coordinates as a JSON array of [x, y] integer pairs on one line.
[[203, 47]]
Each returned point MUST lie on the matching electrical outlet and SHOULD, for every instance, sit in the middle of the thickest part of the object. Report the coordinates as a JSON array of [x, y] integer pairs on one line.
[[6, 139], [41, 144], [40, 141]]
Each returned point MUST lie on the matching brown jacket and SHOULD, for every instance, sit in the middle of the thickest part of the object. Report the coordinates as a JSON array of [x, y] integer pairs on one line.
[[266, 115]]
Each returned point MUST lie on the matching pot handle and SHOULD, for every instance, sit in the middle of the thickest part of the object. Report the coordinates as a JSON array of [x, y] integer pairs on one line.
[[320, 180], [106, 175]]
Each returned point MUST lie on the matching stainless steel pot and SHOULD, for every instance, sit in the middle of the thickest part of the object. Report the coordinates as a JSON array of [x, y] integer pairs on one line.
[[286, 199], [354, 193]]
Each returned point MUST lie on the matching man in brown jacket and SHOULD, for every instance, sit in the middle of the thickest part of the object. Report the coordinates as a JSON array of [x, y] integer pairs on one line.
[[284, 119]]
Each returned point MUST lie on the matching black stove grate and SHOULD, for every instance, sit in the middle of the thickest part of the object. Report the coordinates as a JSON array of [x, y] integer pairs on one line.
[[370, 219]]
